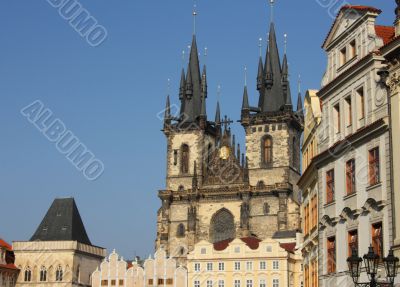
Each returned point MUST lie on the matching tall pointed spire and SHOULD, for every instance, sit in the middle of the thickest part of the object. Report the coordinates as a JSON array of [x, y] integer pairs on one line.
[[245, 103], [260, 75], [167, 114], [299, 100], [218, 115], [285, 80]]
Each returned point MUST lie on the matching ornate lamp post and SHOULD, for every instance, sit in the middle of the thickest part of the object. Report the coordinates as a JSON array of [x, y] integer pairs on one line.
[[371, 262]]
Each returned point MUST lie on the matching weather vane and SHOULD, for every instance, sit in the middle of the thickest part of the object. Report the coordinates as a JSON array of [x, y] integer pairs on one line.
[[285, 43], [194, 17], [271, 3]]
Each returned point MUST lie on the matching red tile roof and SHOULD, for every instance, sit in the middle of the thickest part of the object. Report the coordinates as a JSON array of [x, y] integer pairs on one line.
[[8, 266], [386, 33], [252, 242], [361, 8], [289, 247], [351, 7], [5, 245]]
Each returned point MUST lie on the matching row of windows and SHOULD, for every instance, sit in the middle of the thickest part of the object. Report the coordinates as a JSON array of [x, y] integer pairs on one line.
[[373, 175], [352, 244], [237, 266], [311, 274], [310, 215], [113, 282], [237, 283], [43, 274], [309, 154], [349, 110]]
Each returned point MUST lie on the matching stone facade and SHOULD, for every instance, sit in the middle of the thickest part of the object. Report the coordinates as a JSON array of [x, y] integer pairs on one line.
[[308, 184], [244, 262], [56, 263], [157, 271], [354, 180]]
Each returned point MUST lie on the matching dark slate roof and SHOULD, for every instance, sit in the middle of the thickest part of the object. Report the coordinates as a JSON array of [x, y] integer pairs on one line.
[[285, 234], [62, 222]]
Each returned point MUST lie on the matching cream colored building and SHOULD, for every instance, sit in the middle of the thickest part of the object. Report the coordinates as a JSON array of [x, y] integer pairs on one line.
[[157, 271], [246, 262], [308, 184], [60, 252]]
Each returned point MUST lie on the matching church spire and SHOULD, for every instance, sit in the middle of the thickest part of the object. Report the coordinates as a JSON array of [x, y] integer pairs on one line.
[[299, 101], [285, 80]]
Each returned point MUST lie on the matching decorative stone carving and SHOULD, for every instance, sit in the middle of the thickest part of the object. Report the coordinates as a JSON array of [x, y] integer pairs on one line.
[[192, 217], [244, 215], [394, 82]]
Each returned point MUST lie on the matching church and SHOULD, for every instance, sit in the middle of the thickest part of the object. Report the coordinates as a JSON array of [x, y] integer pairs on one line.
[[213, 191]]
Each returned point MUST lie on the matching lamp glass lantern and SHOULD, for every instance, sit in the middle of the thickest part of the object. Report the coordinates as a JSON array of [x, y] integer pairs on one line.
[[371, 260], [391, 265], [354, 263]]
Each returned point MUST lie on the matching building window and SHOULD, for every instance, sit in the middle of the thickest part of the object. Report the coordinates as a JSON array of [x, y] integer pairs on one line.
[[237, 283], [209, 283], [352, 242], [337, 118], [196, 283], [180, 232], [209, 266], [263, 283], [374, 166], [249, 266], [221, 283], [222, 226], [203, 251], [43, 274], [249, 283], [269, 248], [121, 282], [59, 273], [197, 267], [105, 283], [343, 59], [307, 276], [275, 283], [170, 281], [221, 266], [349, 112], [175, 157], [263, 265], [160, 281], [150, 282], [275, 265], [28, 275], [314, 212], [294, 154], [237, 266], [306, 220], [377, 239], [331, 255], [351, 176], [314, 273], [185, 159], [361, 103], [330, 186], [353, 49], [267, 148], [237, 249]]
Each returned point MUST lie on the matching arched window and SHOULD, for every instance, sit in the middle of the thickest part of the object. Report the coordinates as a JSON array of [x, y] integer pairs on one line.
[[59, 273], [28, 274], [181, 188], [267, 150], [222, 226], [180, 231], [185, 158], [260, 184], [43, 274]]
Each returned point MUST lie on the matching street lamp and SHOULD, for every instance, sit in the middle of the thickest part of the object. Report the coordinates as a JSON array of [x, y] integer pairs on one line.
[[371, 262]]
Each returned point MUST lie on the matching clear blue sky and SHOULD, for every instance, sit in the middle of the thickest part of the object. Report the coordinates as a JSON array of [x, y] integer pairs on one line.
[[109, 96]]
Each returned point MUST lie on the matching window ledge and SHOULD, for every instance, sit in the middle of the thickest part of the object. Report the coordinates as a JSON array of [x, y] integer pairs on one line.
[[329, 204], [350, 195], [371, 187], [347, 64]]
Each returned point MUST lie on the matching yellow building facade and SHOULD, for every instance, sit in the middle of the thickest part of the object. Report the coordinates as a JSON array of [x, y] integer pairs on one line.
[[308, 184], [245, 262]]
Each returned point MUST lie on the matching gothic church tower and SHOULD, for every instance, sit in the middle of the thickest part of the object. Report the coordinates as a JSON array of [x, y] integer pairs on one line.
[[213, 191]]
